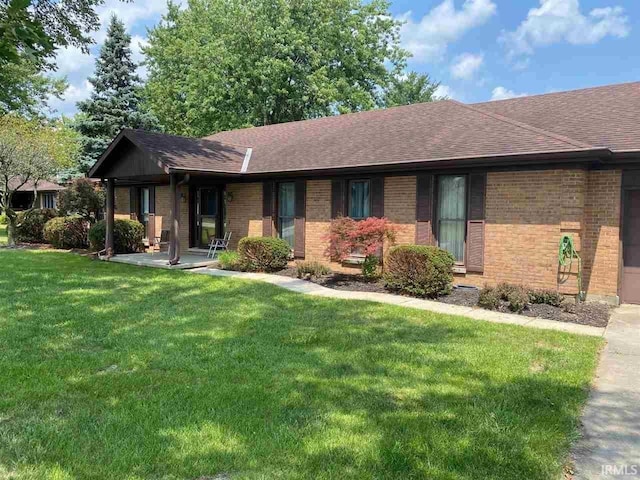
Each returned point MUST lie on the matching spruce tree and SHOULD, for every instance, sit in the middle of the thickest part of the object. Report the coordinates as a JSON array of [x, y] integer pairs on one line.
[[115, 102]]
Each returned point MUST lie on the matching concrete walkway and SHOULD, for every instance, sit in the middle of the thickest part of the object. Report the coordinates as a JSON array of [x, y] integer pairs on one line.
[[310, 288], [610, 443]]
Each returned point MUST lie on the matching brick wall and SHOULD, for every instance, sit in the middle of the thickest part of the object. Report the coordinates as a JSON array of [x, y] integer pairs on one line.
[[318, 219], [122, 203], [244, 212], [400, 207], [602, 232]]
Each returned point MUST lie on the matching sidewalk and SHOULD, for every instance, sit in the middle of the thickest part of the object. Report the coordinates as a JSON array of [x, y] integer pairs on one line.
[[610, 443], [310, 288]]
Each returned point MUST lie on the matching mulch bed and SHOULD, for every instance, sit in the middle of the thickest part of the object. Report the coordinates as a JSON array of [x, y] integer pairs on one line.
[[594, 314]]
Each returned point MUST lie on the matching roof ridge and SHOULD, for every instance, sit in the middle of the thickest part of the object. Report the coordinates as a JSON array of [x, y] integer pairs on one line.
[[526, 126], [328, 117], [560, 92]]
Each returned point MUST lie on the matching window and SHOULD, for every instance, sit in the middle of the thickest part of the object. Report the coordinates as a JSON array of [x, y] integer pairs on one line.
[[48, 200], [286, 212], [359, 199], [452, 214], [144, 209]]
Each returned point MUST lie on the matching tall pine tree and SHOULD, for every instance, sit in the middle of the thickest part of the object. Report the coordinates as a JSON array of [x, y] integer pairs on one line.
[[115, 102]]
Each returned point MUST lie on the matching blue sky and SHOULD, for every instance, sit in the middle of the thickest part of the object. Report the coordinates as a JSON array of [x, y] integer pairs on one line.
[[478, 49]]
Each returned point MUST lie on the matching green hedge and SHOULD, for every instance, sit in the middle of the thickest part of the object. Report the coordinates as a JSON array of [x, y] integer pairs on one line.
[[66, 232], [128, 235], [264, 254], [30, 224], [419, 270]]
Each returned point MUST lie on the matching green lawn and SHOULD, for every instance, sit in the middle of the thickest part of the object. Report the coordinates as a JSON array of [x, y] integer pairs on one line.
[[118, 372]]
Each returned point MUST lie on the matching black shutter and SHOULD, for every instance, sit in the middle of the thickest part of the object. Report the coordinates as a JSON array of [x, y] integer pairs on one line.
[[338, 198], [300, 218], [424, 210], [476, 222], [377, 197], [133, 203], [267, 208]]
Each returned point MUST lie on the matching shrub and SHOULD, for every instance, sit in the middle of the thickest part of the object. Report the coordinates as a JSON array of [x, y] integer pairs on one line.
[[128, 235], [370, 268], [264, 254], [3, 219], [315, 269], [230, 260], [82, 197], [547, 297], [489, 298], [513, 297], [66, 232], [419, 270], [30, 224]]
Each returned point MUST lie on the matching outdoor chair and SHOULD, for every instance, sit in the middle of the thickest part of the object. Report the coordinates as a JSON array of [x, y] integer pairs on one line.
[[161, 241], [218, 244]]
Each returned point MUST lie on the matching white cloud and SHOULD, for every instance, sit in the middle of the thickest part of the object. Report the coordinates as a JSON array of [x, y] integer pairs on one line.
[[562, 21], [502, 93], [72, 95], [466, 65], [137, 44], [72, 59], [444, 91], [428, 38]]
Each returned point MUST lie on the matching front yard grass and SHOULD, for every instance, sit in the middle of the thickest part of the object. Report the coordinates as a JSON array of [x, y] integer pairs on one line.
[[111, 372]]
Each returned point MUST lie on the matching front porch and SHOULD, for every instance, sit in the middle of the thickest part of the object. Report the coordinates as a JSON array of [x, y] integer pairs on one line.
[[162, 260]]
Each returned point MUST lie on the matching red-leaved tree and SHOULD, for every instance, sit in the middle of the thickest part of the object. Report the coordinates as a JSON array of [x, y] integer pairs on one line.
[[365, 237]]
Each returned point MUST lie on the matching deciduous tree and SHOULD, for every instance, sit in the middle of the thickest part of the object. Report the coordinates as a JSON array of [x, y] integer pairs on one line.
[[30, 151], [410, 89], [223, 64]]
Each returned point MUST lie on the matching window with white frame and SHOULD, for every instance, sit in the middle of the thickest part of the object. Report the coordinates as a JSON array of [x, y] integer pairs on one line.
[[48, 200], [452, 214]]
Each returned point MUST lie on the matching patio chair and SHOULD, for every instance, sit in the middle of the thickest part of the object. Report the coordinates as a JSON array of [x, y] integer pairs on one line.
[[161, 241], [218, 244]]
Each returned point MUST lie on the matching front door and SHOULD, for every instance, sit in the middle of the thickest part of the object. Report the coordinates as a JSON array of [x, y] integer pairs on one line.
[[207, 216], [631, 248]]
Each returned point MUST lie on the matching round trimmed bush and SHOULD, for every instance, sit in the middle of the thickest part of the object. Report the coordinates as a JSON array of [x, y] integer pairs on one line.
[[264, 254], [419, 270], [128, 235], [66, 232], [3, 219], [30, 224]]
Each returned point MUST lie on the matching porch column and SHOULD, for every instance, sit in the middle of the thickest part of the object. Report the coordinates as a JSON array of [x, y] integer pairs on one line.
[[174, 232], [109, 237]]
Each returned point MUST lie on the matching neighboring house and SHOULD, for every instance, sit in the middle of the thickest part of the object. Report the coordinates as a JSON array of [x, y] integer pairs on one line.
[[497, 184], [46, 191]]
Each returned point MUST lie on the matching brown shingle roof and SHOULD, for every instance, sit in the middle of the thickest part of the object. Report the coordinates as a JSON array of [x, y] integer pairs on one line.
[[189, 153], [421, 132], [587, 120], [606, 116], [43, 186]]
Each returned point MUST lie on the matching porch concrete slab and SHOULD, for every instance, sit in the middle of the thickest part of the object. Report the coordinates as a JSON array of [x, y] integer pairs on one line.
[[309, 288], [161, 260], [609, 446]]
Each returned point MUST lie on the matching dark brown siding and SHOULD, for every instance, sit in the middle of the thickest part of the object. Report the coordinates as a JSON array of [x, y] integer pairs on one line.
[[267, 208], [301, 201], [424, 210], [377, 197], [475, 223]]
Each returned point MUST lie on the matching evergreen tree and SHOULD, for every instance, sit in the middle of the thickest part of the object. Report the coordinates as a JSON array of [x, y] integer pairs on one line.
[[115, 102]]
